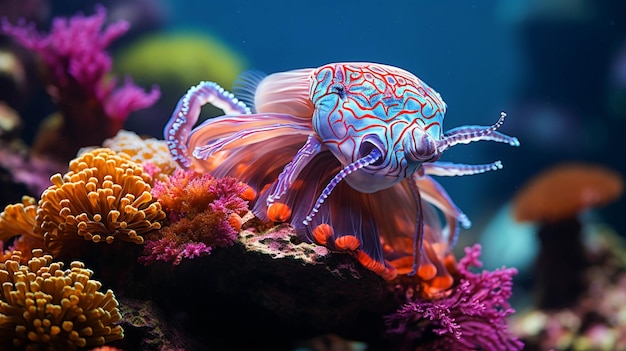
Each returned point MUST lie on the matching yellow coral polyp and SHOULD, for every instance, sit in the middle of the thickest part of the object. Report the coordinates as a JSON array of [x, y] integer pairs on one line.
[[104, 197], [43, 306]]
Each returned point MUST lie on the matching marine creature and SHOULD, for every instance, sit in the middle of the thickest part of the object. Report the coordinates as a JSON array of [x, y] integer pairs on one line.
[[343, 152]]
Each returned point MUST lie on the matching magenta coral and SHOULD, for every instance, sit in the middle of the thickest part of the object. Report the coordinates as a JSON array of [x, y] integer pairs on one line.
[[203, 211], [77, 73], [472, 317], [74, 51]]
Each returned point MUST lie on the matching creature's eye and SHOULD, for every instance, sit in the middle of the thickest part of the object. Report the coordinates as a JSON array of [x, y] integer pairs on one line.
[[338, 89], [369, 143]]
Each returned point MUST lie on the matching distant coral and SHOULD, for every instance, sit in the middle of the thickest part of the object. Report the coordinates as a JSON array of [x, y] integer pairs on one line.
[[105, 196], [151, 153], [204, 212], [77, 71], [43, 307], [24, 169], [471, 317], [565, 190]]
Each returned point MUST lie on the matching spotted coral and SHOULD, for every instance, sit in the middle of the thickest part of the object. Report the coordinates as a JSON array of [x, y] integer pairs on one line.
[[471, 317], [204, 211], [43, 307], [105, 196]]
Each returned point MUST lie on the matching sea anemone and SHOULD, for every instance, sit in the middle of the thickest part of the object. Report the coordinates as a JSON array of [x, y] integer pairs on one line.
[[43, 307], [105, 196]]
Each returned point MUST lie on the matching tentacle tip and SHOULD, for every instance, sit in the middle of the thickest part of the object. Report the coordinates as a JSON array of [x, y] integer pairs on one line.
[[514, 142], [465, 221]]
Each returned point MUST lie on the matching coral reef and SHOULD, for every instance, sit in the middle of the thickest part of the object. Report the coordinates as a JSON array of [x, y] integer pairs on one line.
[[146, 328], [43, 307], [195, 268], [288, 290]]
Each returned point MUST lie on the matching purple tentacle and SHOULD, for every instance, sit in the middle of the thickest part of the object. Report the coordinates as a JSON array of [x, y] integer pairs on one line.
[[468, 134], [458, 169], [187, 111], [432, 192], [418, 236], [372, 157], [291, 171]]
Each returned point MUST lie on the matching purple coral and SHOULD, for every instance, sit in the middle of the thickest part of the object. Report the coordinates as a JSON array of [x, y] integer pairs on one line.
[[204, 212], [74, 52], [168, 250], [78, 75], [472, 317]]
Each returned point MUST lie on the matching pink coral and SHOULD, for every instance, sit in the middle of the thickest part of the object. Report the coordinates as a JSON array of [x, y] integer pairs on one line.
[[204, 212], [77, 72], [74, 51], [471, 317]]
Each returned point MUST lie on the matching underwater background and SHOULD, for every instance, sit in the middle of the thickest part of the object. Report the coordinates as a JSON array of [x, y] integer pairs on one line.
[[557, 68]]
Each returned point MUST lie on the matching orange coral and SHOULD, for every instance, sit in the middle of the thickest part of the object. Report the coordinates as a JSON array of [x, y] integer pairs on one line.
[[19, 220], [566, 190], [43, 306], [105, 196]]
